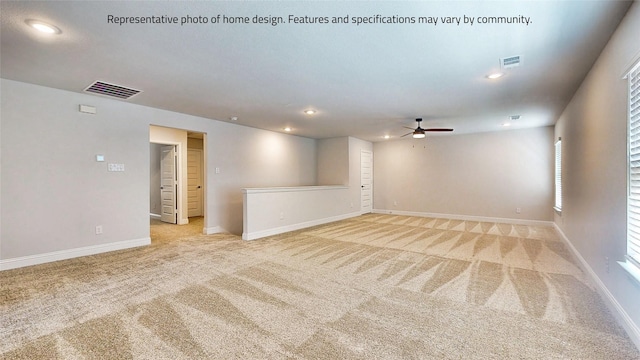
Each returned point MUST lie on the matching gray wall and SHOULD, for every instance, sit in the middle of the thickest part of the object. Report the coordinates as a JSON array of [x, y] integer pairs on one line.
[[485, 175], [339, 164], [54, 193], [333, 161], [593, 128]]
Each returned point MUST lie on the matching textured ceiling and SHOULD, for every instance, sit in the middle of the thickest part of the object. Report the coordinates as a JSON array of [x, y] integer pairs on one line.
[[365, 80]]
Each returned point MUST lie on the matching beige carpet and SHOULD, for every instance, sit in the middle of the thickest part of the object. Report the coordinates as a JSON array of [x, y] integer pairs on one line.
[[371, 287]]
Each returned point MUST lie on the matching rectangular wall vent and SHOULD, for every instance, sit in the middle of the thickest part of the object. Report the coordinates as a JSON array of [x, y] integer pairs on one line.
[[112, 90], [510, 62]]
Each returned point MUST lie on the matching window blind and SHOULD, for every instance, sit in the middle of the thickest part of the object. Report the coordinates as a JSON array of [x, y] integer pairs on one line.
[[558, 183], [633, 200]]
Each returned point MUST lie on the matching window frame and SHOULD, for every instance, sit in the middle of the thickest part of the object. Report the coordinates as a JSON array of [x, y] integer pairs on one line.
[[557, 203], [632, 257]]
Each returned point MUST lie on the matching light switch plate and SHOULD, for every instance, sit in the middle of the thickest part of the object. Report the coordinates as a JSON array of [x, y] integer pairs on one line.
[[115, 167]]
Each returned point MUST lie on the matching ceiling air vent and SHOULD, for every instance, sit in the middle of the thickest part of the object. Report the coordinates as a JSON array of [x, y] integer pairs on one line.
[[510, 62], [514, 117], [111, 90]]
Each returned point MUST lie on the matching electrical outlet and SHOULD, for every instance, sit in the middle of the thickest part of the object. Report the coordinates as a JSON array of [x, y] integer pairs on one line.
[[98, 229], [518, 210], [281, 216], [395, 203]]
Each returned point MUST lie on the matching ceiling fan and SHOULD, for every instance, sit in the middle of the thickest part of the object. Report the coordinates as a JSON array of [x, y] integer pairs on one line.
[[419, 133]]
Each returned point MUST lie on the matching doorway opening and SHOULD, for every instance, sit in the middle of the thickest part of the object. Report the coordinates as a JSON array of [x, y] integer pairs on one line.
[[177, 183]]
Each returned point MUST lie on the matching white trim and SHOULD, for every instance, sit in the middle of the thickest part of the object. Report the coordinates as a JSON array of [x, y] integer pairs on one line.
[[213, 230], [633, 150], [283, 229], [614, 306], [23, 261], [632, 269], [632, 66], [466, 217], [155, 216], [557, 178], [180, 194], [293, 188]]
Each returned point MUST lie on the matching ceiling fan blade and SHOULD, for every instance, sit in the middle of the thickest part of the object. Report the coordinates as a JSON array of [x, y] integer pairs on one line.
[[438, 129], [407, 134], [406, 127]]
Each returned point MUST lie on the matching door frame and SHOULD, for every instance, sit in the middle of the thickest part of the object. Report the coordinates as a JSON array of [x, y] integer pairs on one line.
[[362, 186], [182, 191], [180, 186]]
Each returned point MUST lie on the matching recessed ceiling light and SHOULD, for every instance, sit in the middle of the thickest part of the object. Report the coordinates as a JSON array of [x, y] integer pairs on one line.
[[287, 129], [310, 112], [233, 118], [495, 75], [506, 124], [386, 136], [43, 26]]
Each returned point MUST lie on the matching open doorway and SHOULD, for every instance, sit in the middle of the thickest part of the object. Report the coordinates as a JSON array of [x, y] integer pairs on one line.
[[176, 183]]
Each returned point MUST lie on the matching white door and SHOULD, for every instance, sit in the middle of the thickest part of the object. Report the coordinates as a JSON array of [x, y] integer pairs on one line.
[[194, 181], [366, 181], [168, 184]]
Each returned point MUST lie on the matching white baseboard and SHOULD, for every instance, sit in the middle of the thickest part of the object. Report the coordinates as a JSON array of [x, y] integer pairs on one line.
[[614, 306], [213, 230], [155, 216], [466, 217], [283, 229], [23, 261]]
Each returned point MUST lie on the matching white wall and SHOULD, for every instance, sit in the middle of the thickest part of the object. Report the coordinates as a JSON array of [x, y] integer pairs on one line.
[[593, 128], [248, 158], [54, 193], [1, 176], [480, 175], [270, 211]]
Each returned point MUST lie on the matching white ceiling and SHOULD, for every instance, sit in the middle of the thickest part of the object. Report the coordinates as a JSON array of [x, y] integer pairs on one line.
[[365, 81]]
